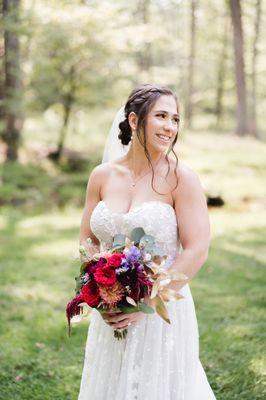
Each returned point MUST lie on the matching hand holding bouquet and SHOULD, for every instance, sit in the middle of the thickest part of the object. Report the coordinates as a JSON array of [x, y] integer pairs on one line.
[[122, 277]]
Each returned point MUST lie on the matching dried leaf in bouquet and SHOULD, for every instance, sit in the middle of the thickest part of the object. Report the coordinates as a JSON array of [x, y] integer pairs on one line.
[[161, 308]]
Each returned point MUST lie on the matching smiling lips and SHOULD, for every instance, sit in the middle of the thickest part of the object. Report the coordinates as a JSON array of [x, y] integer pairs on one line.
[[164, 138]]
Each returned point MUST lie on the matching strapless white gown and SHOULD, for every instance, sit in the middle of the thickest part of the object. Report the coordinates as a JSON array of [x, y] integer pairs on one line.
[[156, 361]]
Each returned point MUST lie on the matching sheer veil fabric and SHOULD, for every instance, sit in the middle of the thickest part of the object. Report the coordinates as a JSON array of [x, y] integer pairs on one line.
[[114, 149]]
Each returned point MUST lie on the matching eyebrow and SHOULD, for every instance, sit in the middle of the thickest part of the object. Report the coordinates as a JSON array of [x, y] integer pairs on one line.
[[177, 115]]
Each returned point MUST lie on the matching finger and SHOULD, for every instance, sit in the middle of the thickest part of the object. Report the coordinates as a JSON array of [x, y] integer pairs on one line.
[[116, 320], [110, 313], [117, 317], [114, 312], [121, 325]]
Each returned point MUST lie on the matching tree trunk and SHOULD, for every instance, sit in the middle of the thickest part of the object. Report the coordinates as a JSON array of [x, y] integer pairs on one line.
[[68, 101], [191, 66], [242, 119], [253, 108], [12, 84], [144, 58], [2, 73], [221, 76], [62, 136]]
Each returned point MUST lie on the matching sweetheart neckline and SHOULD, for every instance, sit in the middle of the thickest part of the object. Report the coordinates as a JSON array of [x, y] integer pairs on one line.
[[136, 207]]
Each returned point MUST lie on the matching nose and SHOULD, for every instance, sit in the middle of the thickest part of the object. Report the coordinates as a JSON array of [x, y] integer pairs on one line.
[[168, 125]]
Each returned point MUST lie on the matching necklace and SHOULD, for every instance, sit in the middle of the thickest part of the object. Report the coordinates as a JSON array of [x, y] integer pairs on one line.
[[142, 176]]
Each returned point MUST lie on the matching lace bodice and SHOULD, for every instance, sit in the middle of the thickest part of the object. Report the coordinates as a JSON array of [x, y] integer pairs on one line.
[[155, 217]]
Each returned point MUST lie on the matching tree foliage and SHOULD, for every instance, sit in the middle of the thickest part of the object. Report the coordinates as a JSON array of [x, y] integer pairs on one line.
[[87, 54]]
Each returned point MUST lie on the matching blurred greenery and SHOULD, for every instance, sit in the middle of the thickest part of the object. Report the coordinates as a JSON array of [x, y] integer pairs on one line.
[[89, 54], [33, 186]]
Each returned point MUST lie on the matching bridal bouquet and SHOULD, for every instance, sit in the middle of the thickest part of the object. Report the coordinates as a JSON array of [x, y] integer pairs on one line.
[[122, 277]]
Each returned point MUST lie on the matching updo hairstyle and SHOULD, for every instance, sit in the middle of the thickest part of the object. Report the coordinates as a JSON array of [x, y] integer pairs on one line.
[[140, 101]]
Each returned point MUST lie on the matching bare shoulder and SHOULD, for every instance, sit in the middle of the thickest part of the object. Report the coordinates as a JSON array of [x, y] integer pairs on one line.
[[186, 174], [97, 179], [101, 172], [188, 181]]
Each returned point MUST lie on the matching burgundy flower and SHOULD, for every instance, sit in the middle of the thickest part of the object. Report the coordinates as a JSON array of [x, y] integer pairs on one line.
[[101, 263], [90, 293], [93, 265], [73, 308], [137, 280], [89, 265]]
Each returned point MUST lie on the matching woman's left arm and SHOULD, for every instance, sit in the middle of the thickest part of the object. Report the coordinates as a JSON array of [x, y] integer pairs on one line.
[[193, 225]]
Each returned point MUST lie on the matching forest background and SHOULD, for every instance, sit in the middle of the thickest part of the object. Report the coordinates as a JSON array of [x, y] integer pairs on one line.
[[66, 67]]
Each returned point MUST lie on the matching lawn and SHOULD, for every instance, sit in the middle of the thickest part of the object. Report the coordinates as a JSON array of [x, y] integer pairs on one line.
[[38, 258]]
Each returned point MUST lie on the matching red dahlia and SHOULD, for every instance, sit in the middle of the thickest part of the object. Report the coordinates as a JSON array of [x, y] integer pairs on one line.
[[90, 293], [115, 260], [105, 276]]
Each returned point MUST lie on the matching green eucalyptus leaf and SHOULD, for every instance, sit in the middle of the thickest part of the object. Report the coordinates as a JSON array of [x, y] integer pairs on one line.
[[147, 241], [119, 240], [145, 308], [157, 251], [128, 309], [82, 267], [78, 283], [149, 248], [136, 235], [117, 249]]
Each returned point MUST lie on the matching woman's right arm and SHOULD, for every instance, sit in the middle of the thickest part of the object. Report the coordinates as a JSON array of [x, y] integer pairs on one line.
[[93, 196]]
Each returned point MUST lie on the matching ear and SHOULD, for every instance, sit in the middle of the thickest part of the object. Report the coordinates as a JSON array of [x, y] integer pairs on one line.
[[133, 120]]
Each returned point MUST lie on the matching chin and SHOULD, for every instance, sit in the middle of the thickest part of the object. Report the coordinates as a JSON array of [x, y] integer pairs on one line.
[[154, 147], [161, 147]]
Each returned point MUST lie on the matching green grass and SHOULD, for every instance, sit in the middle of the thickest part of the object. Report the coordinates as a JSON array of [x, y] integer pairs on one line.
[[230, 299], [39, 361], [39, 241]]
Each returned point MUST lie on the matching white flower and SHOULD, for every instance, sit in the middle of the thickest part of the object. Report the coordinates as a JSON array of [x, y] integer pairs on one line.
[[147, 257]]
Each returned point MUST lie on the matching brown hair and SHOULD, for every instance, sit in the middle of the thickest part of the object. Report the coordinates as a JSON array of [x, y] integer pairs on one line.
[[140, 101]]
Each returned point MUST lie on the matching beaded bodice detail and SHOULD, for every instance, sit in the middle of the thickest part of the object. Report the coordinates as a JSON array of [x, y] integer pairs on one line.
[[155, 217]]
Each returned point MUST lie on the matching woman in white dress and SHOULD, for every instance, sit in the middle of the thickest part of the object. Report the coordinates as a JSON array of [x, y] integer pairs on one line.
[[138, 184]]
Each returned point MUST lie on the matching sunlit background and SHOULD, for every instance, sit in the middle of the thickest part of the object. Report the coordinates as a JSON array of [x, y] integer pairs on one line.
[[66, 67]]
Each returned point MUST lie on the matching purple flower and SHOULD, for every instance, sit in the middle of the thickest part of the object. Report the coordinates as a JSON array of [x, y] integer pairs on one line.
[[124, 268], [133, 254], [139, 267]]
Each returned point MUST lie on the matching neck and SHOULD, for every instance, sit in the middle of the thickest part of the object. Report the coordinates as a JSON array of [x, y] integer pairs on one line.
[[137, 159]]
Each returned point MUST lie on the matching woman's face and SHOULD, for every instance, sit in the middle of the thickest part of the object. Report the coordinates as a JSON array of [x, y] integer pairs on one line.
[[162, 124]]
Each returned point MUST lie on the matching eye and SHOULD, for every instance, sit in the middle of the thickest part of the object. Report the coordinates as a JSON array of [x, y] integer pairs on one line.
[[158, 115]]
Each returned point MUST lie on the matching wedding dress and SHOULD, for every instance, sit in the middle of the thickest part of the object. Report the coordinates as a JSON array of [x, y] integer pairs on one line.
[[156, 360]]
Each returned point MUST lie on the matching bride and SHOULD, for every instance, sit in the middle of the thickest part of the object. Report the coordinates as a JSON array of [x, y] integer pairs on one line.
[[138, 184]]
